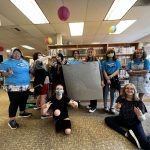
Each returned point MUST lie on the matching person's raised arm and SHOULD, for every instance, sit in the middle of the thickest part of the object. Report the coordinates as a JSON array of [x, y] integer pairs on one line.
[[139, 114]]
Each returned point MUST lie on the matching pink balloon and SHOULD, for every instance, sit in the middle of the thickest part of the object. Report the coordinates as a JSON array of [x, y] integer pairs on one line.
[[63, 13]]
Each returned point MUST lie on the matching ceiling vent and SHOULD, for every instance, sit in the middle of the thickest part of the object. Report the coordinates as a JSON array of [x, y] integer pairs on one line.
[[142, 3]]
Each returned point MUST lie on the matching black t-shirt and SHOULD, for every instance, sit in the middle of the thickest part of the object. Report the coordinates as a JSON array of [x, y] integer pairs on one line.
[[127, 110], [56, 74], [61, 105]]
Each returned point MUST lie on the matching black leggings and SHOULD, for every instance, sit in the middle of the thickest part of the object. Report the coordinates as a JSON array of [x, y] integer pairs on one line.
[[17, 99], [62, 124]]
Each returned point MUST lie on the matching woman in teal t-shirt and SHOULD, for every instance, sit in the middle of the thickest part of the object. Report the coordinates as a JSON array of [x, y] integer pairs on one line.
[[138, 69], [17, 80], [110, 68]]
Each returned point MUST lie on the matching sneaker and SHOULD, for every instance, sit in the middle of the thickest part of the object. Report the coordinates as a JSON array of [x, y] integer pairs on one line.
[[13, 124], [132, 138], [92, 110], [45, 116], [112, 111], [37, 107], [88, 106], [25, 114], [106, 109]]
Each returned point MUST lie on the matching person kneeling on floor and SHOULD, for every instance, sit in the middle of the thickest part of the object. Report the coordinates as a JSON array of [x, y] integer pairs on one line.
[[59, 102]]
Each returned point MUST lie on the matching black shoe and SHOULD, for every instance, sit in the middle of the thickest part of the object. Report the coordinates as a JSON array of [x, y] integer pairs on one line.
[[106, 109], [13, 124], [92, 110], [112, 111], [132, 138], [25, 114]]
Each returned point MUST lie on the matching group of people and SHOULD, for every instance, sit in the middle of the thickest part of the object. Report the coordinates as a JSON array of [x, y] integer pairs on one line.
[[130, 105]]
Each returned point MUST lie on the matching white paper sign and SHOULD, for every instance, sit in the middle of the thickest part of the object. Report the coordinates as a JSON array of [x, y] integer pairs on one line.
[[83, 81]]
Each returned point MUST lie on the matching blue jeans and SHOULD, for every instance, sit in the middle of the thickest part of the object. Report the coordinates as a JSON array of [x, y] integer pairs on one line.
[[106, 90], [118, 124]]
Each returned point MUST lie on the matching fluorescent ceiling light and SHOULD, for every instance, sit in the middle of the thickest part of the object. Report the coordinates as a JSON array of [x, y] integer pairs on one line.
[[28, 47], [8, 51], [119, 9], [76, 29], [31, 10], [123, 25]]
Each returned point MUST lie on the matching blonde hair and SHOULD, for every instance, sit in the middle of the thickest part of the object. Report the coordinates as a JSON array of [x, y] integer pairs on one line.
[[135, 95], [92, 49], [93, 57]]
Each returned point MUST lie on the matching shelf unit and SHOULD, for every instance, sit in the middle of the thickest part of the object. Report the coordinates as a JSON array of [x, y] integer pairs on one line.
[[100, 49]]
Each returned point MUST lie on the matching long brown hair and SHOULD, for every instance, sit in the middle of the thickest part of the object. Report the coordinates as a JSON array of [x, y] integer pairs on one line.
[[143, 52], [111, 50]]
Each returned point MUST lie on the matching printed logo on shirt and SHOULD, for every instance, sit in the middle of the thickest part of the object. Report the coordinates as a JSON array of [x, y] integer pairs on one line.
[[22, 65], [111, 65]]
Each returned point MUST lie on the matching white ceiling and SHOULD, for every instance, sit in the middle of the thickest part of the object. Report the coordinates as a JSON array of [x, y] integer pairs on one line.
[[92, 12]]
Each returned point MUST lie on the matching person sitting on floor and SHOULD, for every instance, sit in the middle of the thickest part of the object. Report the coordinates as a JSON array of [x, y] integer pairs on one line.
[[59, 102], [131, 113]]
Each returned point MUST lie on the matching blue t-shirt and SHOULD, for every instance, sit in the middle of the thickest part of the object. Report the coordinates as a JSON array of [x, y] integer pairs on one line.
[[110, 66], [138, 62], [73, 61], [20, 74]]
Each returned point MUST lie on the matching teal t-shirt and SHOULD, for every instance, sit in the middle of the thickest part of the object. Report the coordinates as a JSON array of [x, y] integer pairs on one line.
[[20, 74], [111, 66], [73, 61]]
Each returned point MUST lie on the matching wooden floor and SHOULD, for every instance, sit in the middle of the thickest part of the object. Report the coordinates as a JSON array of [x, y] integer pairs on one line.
[[89, 131]]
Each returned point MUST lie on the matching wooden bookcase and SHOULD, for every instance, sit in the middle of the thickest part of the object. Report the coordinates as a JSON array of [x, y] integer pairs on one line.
[[100, 49]]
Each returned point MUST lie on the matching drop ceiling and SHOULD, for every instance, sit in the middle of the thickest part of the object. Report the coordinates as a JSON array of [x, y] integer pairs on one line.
[[16, 29]]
